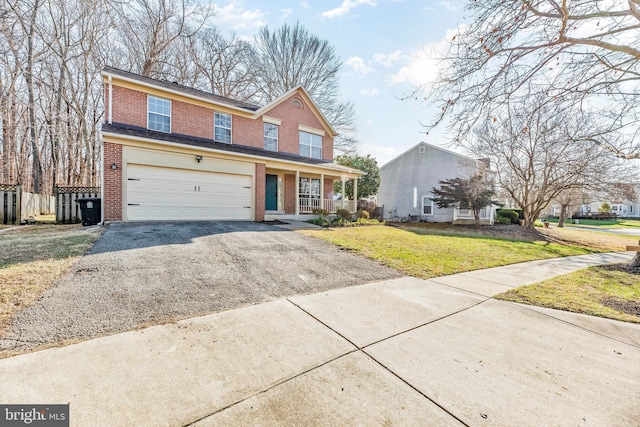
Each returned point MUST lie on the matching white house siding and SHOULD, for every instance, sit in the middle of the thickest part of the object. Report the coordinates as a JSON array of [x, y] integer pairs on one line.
[[421, 171]]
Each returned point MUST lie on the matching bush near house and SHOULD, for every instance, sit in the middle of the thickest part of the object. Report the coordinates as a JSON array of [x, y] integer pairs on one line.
[[509, 213], [503, 220]]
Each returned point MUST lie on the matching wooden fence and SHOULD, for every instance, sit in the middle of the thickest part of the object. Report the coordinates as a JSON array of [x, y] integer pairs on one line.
[[17, 205], [67, 210], [9, 203]]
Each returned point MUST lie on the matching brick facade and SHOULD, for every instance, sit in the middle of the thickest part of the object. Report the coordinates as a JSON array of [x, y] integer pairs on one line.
[[260, 187], [130, 107], [290, 194], [328, 188], [112, 182]]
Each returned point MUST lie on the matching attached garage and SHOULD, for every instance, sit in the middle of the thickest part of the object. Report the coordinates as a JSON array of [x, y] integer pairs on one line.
[[156, 193]]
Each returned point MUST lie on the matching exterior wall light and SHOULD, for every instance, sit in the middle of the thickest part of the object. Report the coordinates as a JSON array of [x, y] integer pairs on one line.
[[198, 158], [114, 166]]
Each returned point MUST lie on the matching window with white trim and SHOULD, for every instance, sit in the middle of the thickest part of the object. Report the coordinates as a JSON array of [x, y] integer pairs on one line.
[[158, 114], [310, 145], [309, 188], [427, 206], [270, 137], [222, 127]]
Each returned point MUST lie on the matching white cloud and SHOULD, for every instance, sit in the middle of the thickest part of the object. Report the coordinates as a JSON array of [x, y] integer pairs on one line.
[[448, 5], [387, 59], [373, 91], [304, 5], [423, 67], [286, 13], [383, 153], [236, 17], [357, 64], [345, 7]]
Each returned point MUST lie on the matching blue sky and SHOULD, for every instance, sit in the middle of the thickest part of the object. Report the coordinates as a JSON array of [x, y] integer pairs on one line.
[[382, 44]]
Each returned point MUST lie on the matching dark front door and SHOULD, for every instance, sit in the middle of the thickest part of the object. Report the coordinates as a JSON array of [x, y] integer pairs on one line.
[[271, 193]]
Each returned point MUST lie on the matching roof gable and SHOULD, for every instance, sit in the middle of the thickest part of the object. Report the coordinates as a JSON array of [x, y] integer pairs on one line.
[[430, 147]]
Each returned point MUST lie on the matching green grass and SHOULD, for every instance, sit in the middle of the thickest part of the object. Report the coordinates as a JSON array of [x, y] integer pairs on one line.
[[425, 253], [33, 258], [604, 223], [588, 291]]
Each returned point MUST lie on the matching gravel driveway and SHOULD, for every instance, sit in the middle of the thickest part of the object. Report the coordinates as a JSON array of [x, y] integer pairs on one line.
[[141, 274]]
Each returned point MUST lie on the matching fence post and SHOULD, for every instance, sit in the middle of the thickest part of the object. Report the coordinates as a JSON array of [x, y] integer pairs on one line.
[[19, 204]]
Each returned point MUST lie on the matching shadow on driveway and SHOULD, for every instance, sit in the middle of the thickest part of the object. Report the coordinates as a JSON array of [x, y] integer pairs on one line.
[[146, 273]]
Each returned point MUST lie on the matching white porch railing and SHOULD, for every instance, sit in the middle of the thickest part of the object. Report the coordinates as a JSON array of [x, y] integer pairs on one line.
[[308, 205], [485, 213]]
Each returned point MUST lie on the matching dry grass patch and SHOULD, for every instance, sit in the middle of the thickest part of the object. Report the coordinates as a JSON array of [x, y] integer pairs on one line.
[[32, 259], [611, 291]]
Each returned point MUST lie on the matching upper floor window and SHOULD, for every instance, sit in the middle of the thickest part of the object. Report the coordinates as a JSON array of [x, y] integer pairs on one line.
[[222, 127], [310, 145], [159, 114], [270, 137]]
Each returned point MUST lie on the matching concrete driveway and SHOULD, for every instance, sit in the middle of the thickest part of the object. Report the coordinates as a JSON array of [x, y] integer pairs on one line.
[[140, 274], [400, 352]]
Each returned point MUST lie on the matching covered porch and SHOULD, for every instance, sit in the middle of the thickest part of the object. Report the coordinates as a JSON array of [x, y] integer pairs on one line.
[[296, 194]]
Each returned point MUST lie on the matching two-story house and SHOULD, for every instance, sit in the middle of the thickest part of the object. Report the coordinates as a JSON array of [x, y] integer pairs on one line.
[[172, 152]]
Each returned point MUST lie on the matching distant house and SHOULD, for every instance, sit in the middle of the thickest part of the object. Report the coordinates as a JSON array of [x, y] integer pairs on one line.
[[171, 152], [406, 183], [627, 207]]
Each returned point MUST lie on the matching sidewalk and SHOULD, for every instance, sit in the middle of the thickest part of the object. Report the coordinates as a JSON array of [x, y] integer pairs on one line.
[[399, 352]]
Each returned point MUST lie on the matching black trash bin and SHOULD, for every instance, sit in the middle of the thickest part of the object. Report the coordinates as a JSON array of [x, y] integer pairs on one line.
[[90, 210]]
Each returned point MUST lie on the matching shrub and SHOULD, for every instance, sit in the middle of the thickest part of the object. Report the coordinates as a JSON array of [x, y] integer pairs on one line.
[[321, 213], [509, 213], [343, 214], [322, 222], [362, 214], [503, 219], [538, 223]]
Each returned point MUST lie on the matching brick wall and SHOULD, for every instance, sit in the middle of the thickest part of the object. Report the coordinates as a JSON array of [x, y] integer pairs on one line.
[[112, 182], [290, 194], [130, 107], [192, 120], [261, 176], [328, 188]]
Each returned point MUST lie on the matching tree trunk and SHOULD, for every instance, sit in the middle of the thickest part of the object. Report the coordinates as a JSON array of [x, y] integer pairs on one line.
[[563, 215]]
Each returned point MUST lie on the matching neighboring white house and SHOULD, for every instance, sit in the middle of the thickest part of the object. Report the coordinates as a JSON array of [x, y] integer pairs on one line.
[[622, 208], [406, 183]]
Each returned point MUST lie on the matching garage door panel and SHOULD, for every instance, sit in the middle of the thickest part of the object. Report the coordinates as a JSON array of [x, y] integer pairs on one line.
[[157, 193]]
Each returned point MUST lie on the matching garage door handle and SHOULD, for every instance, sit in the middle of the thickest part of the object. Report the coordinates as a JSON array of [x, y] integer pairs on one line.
[[246, 187], [133, 204], [247, 207], [133, 179]]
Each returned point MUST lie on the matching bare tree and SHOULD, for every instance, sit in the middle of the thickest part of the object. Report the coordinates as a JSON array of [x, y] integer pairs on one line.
[[582, 53], [291, 56], [147, 29], [530, 146], [226, 67]]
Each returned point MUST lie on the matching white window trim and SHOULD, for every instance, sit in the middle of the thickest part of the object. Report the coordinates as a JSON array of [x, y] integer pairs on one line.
[[230, 128], [160, 114], [423, 205], [271, 120], [311, 147], [277, 137], [308, 129]]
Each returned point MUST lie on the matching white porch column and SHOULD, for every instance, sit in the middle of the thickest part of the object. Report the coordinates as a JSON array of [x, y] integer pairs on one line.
[[297, 192], [342, 180], [321, 191], [355, 194]]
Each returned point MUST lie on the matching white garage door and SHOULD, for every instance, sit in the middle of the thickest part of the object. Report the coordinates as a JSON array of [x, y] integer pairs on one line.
[[156, 193]]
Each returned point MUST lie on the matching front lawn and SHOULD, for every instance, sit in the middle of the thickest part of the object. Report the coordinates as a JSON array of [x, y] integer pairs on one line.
[[603, 223], [605, 291], [32, 258], [431, 251]]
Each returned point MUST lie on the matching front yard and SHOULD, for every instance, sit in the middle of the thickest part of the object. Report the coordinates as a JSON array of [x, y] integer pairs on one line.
[[32, 258], [430, 250]]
